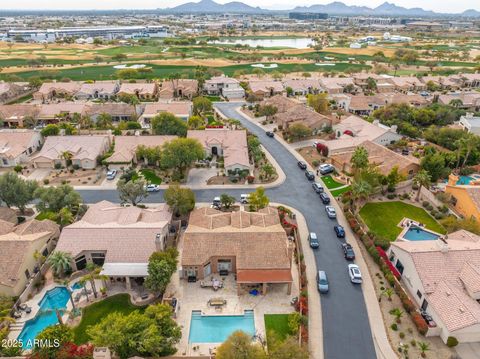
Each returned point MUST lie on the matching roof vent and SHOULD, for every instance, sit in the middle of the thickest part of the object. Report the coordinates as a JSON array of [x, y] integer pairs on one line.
[[461, 310], [448, 294]]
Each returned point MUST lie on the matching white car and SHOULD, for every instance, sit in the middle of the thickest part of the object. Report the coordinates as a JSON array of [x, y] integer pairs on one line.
[[355, 274], [326, 169], [152, 188], [315, 143], [244, 198], [331, 213], [111, 175]]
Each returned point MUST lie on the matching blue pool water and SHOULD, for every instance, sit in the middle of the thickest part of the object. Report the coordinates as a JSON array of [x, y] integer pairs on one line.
[[76, 286], [464, 180], [419, 234], [56, 298], [217, 328]]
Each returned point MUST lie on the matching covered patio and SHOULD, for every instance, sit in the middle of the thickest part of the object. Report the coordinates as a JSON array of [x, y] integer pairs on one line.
[[253, 279]]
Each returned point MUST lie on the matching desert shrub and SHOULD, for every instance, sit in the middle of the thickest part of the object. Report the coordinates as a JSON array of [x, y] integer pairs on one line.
[[394, 326], [452, 342]]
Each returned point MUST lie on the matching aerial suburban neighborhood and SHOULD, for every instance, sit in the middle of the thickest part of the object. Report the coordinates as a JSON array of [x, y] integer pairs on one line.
[[240, 180]]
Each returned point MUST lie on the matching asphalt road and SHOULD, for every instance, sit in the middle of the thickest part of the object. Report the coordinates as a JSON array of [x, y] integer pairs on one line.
[[346, 329]]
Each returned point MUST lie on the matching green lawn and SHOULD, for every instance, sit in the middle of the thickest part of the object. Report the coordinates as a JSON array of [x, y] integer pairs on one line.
[[150, 176], [276, 326], [339, 192], [331, 183], [94, 313], [382, 218], [46, 215]]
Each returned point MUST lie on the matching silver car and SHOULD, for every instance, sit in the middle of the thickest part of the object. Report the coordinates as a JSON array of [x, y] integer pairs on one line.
[[322, 281], [331, 213]]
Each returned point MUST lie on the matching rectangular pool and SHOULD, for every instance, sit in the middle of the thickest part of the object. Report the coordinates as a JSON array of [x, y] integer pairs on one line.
[[217, 328], [415, 233]]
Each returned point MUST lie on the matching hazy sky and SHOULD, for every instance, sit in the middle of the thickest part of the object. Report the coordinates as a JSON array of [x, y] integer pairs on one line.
[[436, 5]]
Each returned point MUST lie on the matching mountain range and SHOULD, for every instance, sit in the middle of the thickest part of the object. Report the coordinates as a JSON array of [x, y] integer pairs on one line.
[[334, 8]]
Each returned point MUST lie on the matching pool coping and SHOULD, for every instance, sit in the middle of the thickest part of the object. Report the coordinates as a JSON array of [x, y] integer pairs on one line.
[[407, 223]]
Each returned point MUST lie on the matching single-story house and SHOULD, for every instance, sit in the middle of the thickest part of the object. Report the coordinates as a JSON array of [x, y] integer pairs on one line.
[[50, 90], [281, 103], [335, 85], [17, 145], [182, 110], [180, 88], [470, 123], [142, 90], [465, 100], [64, 111], [231, 144], [18, 243], [15, 115], [224, 86], [84, 151], [252, 245], [301, 114], [466, 80], [303, 87], [118, 110], [102, 90], [361, 105], [120, 239], [383, 158], [262, 89], [443, 277], [443, 83], [126, 146], [407, 84], [10, 91]]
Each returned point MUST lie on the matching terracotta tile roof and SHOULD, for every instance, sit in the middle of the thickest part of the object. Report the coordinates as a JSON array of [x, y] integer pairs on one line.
[[63, 87], [266, 86], [177, 108], [233, 143], [187, 86], [81, 147], [126, 146], [305, 85], [127, 234], [141, 88], [108, 87], [469, 99], [51, 110], [15, 142], [259, 242], [16, 243], [303, 115], [8, 215], [18, 111], [442, 269], [222, 80], [264, 276], [282, 103], [114, 109]]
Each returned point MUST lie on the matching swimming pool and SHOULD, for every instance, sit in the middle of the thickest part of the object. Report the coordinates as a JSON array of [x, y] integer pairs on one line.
[[217, 328], [465, 180], [56, 298], [415, 233], [76, 286]]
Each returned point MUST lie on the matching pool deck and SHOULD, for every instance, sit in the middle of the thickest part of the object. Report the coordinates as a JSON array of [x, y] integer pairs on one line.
[[192, 297], [407, 223]]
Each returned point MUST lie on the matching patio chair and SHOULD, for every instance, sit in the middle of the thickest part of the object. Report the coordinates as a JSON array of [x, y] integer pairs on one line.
[[215, 302], [28, 310], [22, 306], [17, 315]]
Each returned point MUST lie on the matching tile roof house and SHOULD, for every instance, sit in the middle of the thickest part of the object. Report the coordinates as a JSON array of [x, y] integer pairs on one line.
[[407, 83], [466, 198], [54, 112], [301, 114], [10, 91], [383, 158], [466, 80], [118, 110], [18, 244], [182, 110], [126, 146], [224, 86], [17, 145], [262, 89], [303, 87], [85, 151], [282, 103], [231, 144], [15, 115], [443, 278], [444, 83], [104, 90], [468, 100], [121, 239], [353, 130], [253, 245], [142, 90], [335, 85], [50, 90], [179, 88], [470, 123]]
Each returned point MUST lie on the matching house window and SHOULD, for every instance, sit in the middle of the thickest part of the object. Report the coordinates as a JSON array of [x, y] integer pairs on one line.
[[45, 252], [27, 274], [224, 265], [98, 258], [81, 263], [419, 294], [399, 266]]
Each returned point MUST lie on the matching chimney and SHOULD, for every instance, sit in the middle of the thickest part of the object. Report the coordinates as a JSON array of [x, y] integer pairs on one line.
[[452, 180], [159, 245], [443, 245]]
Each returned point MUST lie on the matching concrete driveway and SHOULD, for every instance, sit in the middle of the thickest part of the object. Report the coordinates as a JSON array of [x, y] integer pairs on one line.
[[199, 176], [468, 350], [39, 174]]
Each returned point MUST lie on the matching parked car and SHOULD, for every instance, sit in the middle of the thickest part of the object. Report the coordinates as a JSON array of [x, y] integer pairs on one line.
[[152, 188], [355, 274], [111, 175], [313, 240], [315, 143], [326, 168], [302, 165], [331, 213], [216, 203], [339, 230], [317, 187], [322, 281], [348, 252], [310, 175], [325, 199], [244, 198], [270, 134]]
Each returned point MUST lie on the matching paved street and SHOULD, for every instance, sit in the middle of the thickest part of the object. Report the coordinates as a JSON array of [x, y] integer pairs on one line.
[[346, 328]]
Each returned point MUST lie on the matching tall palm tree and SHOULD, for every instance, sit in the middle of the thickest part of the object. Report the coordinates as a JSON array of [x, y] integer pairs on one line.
[[174, 77], [66, 284], [421, 179], [85, 122], [361, 190], [67, 156], [92, 275], [104, 121], [60, 262]]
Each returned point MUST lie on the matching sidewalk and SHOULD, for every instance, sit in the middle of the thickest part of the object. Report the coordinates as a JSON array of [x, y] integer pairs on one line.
[[382, 345]]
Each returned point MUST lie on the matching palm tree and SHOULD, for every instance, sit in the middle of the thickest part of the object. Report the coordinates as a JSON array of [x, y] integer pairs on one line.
[[104, 121], [5, 316], [60, 262], [398, 314], [85, 122], [468, 144], [92, 275], [421, 179], [174, 77], [388, 292], [66, 284], [424, 347], [359, 160], [361, 190], [67, 156]]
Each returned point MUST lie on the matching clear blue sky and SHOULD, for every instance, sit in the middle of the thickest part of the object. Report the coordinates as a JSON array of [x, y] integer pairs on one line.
[[436, 5]]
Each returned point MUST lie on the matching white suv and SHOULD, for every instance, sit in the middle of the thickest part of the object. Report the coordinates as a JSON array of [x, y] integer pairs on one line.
[[355, 274]]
